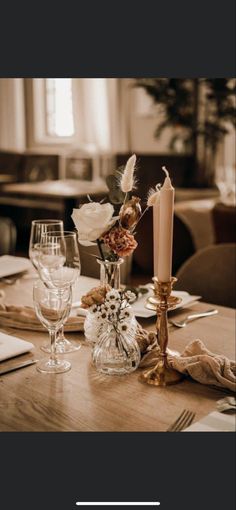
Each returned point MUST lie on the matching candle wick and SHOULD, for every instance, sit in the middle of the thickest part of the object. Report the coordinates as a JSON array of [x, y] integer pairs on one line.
[[165, 170]]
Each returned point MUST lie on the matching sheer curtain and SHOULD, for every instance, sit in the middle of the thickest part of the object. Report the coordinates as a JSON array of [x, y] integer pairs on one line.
[[99, 114], [12, 114]]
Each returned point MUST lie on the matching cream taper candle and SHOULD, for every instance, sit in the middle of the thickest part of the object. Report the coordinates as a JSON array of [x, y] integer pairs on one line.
[[154, 202], [165, 237], [156, 223]]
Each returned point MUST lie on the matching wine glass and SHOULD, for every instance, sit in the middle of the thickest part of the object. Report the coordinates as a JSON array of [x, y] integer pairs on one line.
[[38, 228], [59, 267], [51, 307]]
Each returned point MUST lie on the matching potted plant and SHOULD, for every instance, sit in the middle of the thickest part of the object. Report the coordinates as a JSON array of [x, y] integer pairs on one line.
[[199, 110]]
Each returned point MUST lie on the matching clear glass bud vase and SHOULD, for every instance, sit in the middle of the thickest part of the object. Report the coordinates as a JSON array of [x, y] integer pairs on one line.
[[116, 351], [110, 272], [109, 275]]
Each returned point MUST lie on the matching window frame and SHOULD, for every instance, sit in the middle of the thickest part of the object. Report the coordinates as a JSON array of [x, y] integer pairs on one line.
[[36, 118]]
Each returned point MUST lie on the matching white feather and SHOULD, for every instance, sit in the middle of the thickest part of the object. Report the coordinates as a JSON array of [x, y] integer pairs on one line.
[[153, 196], [127, 178]]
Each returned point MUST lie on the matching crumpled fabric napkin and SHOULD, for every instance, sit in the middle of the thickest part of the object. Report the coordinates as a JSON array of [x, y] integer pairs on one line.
[[200, 364], [24, 317]]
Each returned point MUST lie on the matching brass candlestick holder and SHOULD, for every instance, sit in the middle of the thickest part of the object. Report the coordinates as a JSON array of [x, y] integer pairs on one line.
[[162, 374]]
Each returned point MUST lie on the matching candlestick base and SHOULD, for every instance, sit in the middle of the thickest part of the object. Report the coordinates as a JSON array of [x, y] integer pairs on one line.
[[162, 374]]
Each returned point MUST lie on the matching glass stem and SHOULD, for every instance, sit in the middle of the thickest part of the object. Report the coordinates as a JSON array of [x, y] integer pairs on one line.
[[53, 356], [60, 336]]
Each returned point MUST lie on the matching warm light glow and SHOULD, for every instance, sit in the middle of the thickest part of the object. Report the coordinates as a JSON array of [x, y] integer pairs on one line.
[[59, 107]]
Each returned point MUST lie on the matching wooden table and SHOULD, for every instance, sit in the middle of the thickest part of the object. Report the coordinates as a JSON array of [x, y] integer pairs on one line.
[[57, 197], [83, 400]]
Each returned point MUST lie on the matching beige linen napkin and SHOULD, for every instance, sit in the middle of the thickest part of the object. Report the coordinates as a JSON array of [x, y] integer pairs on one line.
[[200, 364], [24, 317]]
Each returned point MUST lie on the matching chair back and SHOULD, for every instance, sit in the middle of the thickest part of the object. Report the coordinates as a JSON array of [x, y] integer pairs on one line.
[[7, 236], [224, 220], [210, 273]]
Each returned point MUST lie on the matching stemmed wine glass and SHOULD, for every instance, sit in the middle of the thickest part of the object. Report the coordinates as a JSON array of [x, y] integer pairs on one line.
[[38, 228], [59, 267], [52, 306]]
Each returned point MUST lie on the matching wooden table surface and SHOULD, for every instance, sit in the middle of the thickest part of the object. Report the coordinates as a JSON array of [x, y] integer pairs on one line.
[[63, 188], [38, 199], [83, 400]]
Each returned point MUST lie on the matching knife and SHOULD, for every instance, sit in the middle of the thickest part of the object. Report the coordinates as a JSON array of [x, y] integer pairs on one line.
[[16, 367]]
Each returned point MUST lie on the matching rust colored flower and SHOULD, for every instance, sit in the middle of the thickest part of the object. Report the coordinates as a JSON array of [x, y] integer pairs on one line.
[[120, 241], [95, 296], [130, 213]]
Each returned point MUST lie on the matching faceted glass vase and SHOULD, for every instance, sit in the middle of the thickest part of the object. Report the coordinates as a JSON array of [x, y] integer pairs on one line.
[[116, 352]]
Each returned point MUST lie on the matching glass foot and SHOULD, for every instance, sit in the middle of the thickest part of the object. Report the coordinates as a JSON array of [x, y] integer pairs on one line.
[[62, 346], [53, 367], [65, 346]]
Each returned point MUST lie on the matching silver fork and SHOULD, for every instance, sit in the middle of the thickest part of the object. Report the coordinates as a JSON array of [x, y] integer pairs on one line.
[[183, 323], [9, 281], [184, 420]]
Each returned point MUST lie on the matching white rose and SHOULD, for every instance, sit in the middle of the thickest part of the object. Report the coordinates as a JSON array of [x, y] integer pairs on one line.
[[92, 220]]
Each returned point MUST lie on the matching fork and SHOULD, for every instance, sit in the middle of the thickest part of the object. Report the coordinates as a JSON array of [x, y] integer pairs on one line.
[[9, 281], [184, 420], [192, 317]]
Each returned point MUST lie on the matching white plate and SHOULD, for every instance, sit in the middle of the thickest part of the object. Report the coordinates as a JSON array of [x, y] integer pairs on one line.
[[11, 346], [214, 422], [140, 309], [10, 265], [85, 284]]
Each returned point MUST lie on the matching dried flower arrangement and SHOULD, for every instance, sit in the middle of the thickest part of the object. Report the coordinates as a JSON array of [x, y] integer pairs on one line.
[[109, 314], [96, 222], [95, 296], [110, 306]]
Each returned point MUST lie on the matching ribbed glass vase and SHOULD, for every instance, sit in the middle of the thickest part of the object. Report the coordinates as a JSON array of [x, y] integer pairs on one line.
[[116, 352], [109, 275]]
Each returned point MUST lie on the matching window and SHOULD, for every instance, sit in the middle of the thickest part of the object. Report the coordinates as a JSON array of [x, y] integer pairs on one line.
[[72, 113], [50, 115], [59, 107]]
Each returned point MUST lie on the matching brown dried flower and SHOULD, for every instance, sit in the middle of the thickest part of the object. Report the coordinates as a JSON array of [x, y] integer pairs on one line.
[[130, 213], [120, 241], [95, 296]]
